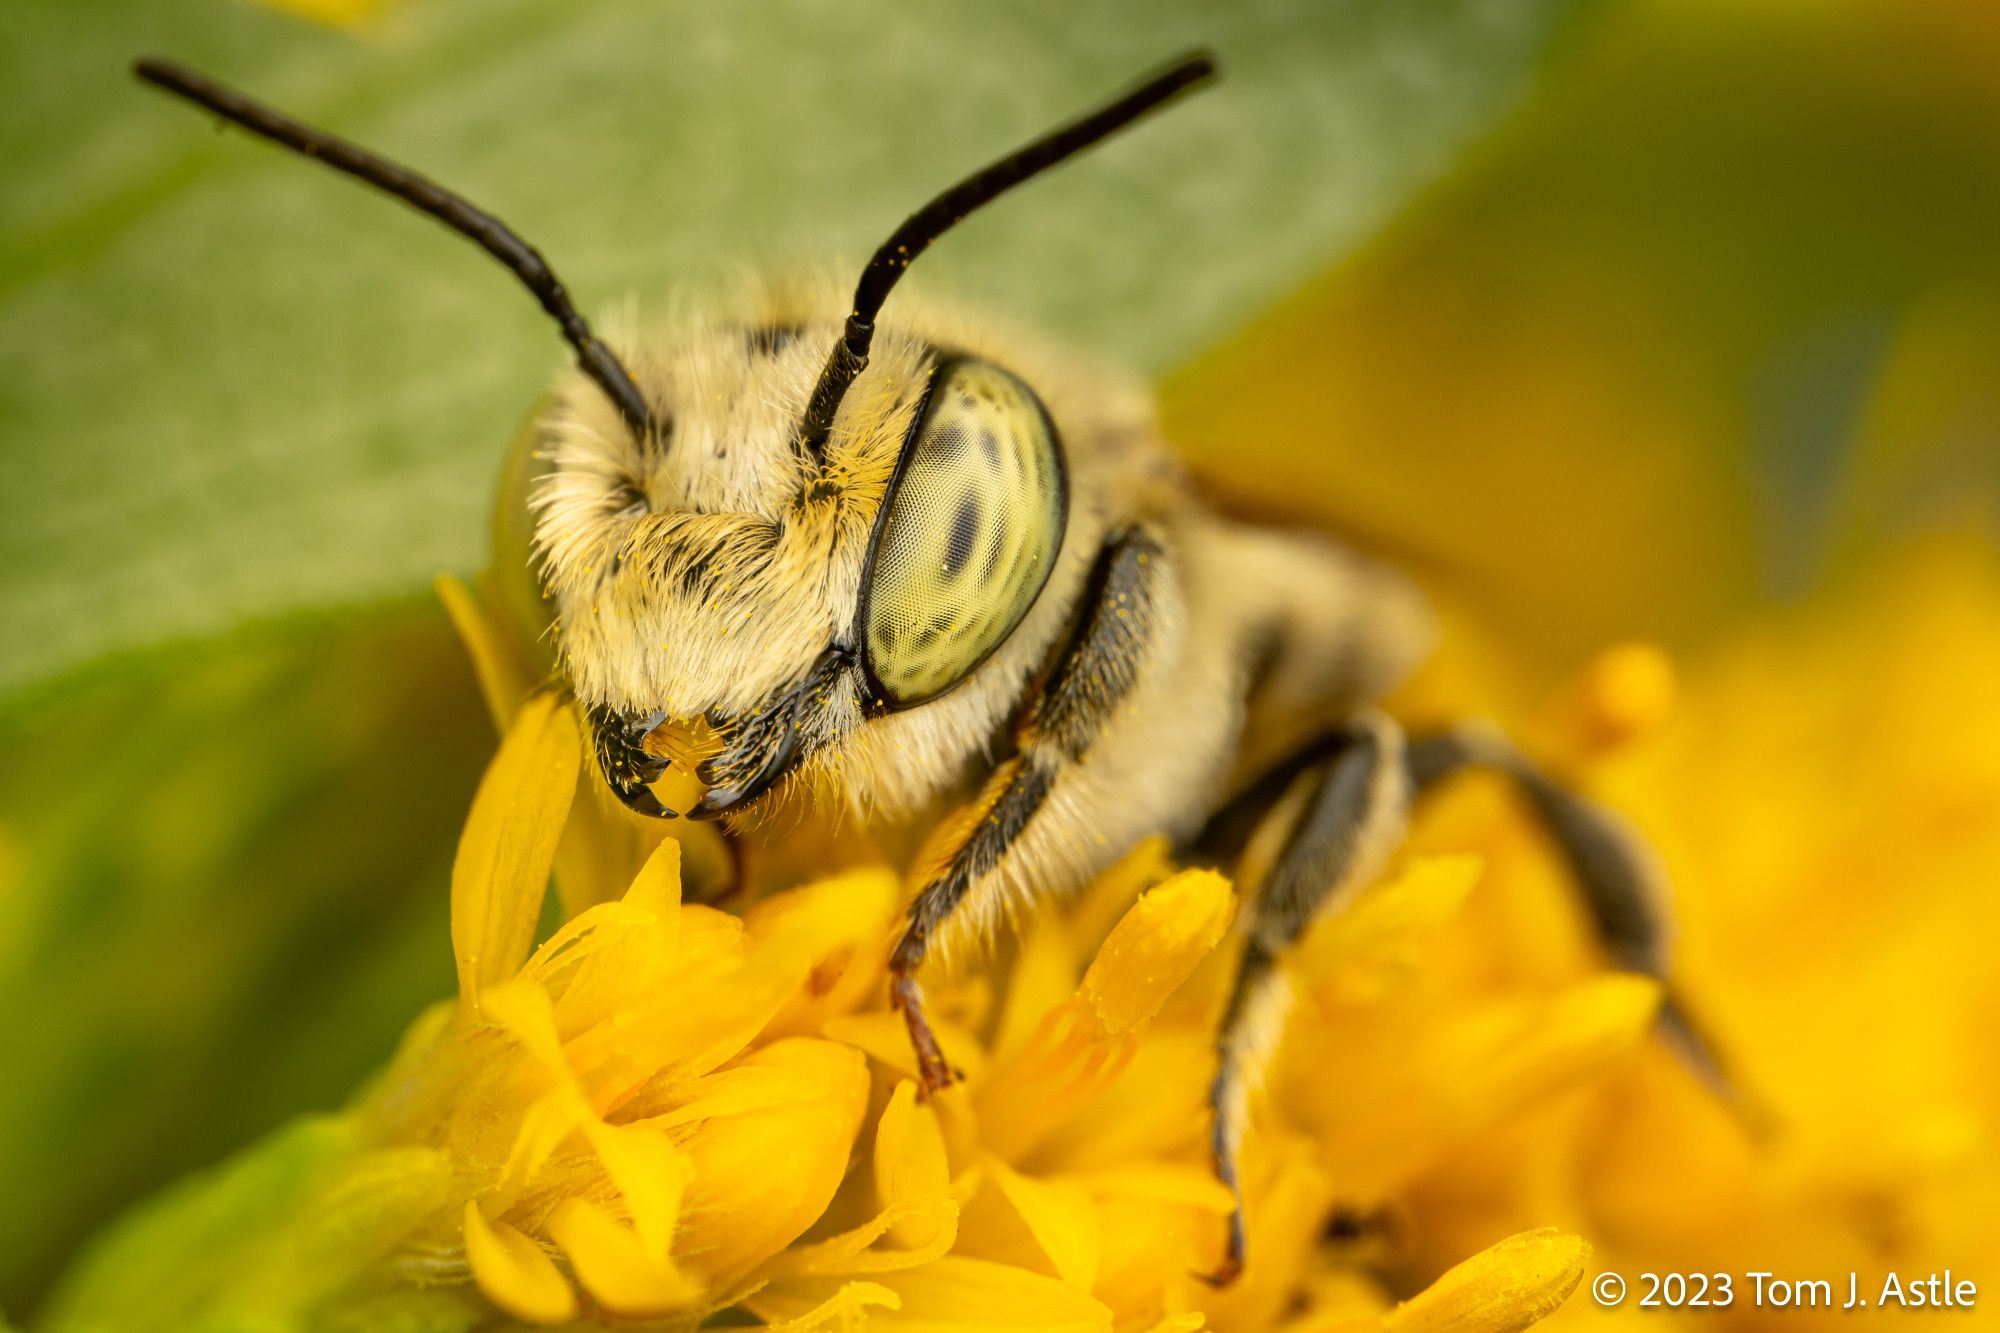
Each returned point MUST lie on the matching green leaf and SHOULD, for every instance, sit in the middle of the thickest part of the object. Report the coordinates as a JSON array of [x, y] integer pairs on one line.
[[225, 889], [291, 1233], [240, 388]]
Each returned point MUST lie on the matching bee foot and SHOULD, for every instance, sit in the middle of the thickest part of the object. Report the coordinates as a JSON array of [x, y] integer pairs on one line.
[[1231, 1267], [934, 1072], [1225, 1274]]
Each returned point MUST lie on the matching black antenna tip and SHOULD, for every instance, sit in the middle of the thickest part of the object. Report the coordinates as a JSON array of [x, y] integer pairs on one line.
[[1199, 64], [1190, 70], [154, 69]]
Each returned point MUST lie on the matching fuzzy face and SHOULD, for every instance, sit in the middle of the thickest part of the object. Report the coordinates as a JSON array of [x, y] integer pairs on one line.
[[719, 571]]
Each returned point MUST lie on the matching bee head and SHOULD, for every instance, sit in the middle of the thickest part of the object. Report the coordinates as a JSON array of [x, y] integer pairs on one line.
[[719, 572], [786, 561], [738, 524]]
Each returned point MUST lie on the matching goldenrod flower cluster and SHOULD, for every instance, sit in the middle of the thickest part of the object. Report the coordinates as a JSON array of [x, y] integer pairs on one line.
[[664, 1110], [643, 1111]]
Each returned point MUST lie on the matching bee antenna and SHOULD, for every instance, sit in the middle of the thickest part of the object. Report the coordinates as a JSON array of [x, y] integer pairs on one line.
[[934, 219], [426, 196]]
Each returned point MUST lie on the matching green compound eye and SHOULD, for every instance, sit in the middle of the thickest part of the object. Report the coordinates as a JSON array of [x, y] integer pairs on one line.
[[967, 535]]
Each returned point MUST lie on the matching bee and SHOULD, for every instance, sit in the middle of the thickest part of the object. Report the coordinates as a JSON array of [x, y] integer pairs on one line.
[[897, 567]]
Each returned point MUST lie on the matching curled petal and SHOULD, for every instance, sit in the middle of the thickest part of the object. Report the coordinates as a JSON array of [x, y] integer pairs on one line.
[[911, 1172], [650, 1174], [514, 1272], [957, 1292], [846, 1310], [616, 1266], [1154, 947], [762, 1177], [1083, 1044], [1502, 1289], [953, 1295]]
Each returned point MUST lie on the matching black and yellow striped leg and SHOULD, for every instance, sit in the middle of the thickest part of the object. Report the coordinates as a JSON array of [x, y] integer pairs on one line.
[[1353, 820], [1616, 874], [1356, 816], [1097, 667]]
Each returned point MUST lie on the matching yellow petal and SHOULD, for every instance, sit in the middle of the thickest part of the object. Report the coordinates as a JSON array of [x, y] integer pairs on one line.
[[1155, 946], [917, 1200], [883, 1036], [502, 681], [854, 1252], [911, 1173], [762, 1178], [957, 1293], [952, 1295], [1378, 939], [603, 845], [1573, 1033], [1150, 1255], [657, 886], [514, 1272], [1163, 1183], [1338, 1300], [1043, 976], [1288, 1194], [1060, 1216], [785, 1310], [650, 1174], [841, 928], [1501, 1289], [1082, 1045], [547, 1121], [738, 1090], [1150, 1111], [522, 1010], [1409, 1089], [509, 845], [655, 1032], [615, 1266]]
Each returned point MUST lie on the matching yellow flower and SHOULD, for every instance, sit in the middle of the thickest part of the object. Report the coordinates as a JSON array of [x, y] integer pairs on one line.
[[1827, 797], [597, 1097], [662, 1111], [657, 1111]]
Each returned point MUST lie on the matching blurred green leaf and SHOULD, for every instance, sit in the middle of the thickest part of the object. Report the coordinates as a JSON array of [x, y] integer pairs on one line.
[[239, 388], [290, 1233], [224, 889]]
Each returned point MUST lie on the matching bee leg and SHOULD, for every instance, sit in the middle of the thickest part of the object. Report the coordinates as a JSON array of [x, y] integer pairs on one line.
[[1089, 679], [1353, 819], [1619, 879]]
